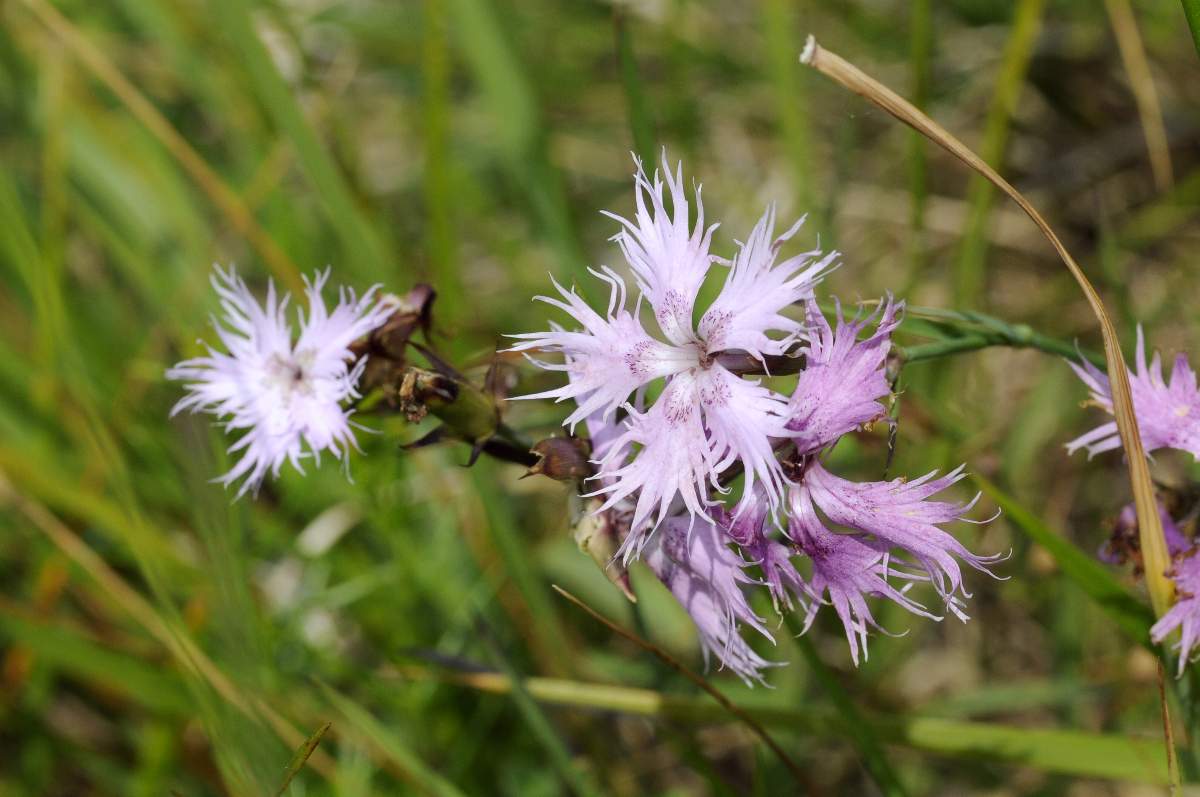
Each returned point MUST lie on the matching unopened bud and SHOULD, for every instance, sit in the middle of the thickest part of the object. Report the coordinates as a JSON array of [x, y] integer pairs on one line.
[[562, 459], [598, 535]]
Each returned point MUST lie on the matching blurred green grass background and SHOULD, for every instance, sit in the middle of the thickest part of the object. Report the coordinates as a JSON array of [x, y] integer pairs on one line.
[[157, 638]]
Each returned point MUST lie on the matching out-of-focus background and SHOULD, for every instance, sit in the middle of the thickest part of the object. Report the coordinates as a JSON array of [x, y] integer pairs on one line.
[[157, 637]]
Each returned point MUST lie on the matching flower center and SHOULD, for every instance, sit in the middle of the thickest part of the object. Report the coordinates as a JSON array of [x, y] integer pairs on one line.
[[290, 375]]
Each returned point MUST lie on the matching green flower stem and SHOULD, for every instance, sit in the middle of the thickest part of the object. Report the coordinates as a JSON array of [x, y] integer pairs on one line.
[[961, 331]]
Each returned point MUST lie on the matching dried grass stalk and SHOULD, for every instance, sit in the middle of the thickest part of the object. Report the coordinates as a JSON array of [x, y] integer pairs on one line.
[[1154, 548]]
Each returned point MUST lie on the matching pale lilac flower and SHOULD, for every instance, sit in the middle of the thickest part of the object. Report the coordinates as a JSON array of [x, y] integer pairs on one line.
[[897, 513], [284, 397], [1185, 614], [707, 417], [843, 377], [707, 579], [1168, 414], [850, 569]]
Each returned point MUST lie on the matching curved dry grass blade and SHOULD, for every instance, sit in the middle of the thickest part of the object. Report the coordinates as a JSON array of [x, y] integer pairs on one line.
[[666, 658], [224, 197], [1153, 544]]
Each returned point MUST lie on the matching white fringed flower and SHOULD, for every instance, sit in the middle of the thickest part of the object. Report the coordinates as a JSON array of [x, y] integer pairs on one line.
[[284, 397]]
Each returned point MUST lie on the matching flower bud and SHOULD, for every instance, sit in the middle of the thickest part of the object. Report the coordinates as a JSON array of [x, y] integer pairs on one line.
[[562, 459]]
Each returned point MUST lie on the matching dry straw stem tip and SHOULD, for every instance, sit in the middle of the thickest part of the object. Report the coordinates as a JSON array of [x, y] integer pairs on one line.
[[1154, 549]]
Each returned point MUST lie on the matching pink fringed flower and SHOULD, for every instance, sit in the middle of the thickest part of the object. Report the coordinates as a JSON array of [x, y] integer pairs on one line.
[[1185, 614], [750, 526], [707, 578], [843, 379], [706, 417], [897, 514], [1168, 414], [284, 397], [850, 569]]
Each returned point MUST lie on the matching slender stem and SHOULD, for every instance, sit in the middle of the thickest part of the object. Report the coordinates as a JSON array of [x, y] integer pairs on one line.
[[734, 709], [1017, 336]]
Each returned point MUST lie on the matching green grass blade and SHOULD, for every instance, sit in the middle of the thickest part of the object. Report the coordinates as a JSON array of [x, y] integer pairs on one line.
[[301, 757], [1132, 616], [547, 632], [641, 126], [411, 767], [921, 49], [969, 274], [1068, 752], [439, 193], [359, 237], [790, 85], [540, 726], [1191, 11], [520, 134], [69, 651], [874, 757]]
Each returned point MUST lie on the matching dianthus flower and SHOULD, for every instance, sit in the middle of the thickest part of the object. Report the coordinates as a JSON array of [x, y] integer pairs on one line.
[[706, 417], [1168, 414], [1185, 614], [284, 396]]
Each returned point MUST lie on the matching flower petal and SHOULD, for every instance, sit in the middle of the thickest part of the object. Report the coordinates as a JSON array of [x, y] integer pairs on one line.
[[847, 568], [675, 461], [742, 416], [669, 260], [1168, 415], [1185, 614], [708, 584], [896, 512], [843, 377], [612, 357], [757, 289]]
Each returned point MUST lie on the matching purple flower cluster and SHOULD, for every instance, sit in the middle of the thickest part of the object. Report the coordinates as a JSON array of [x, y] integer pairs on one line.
[[663, 463], [1168, 416]]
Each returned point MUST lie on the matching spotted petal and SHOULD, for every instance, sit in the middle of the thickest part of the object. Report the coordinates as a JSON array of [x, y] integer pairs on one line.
[[669, 259], [757, 290]]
